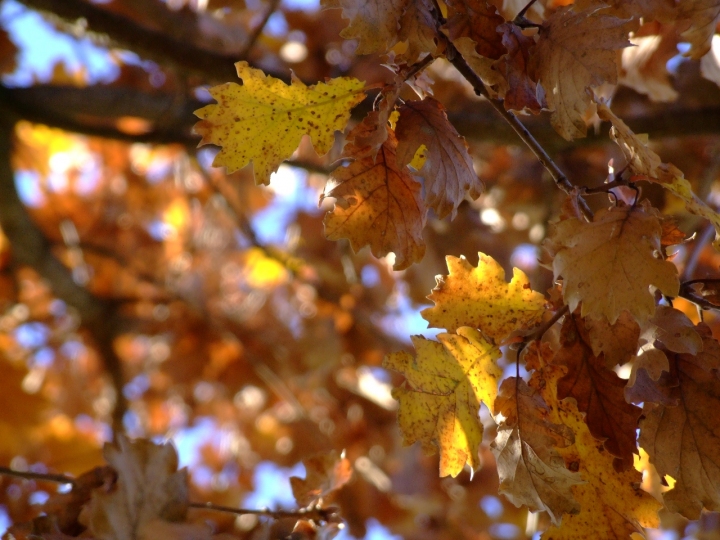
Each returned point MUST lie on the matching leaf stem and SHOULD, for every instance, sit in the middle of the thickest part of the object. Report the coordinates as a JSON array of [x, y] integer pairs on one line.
[[476, 82], [315, 513], [27, 475]]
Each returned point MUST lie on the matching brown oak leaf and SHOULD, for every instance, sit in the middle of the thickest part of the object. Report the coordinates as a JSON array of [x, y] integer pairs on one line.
[[674, 330], [703, 16], [477, 20], [599, 393], [531, 471], [522, 92], [324, 475], [618, 342], [576, 50], [418, 29], [377, 203], [679, 439], [448, 171], [373, 23], [610, 264], [149, 488]]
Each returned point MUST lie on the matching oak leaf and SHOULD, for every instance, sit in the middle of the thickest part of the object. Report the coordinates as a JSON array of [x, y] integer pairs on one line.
[[704, 16], [610, 264], [440, 398], [679, 438], [649, 379], [373, 23], [531, 471], [674, 330], [612, 504], [448, 171], [418, 29], [618, 342], [149, 487], [646, 163], [377, 203], [522, 92], [263, 120], [480, 297], [478, 21], [324, 475], [644, 66], [599, 393], [576, 50]]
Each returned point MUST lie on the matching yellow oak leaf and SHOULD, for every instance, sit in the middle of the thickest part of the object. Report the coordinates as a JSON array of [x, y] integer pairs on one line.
[[440, 398], [447, 171], [531, 471], [646, 163], [263, 120], [480, 297], [576, 50], [149, 488], [612, 504], [377, 203], [610, 264]]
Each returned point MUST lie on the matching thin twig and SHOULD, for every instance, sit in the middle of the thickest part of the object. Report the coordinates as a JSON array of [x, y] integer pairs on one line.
[[27, 475], [258, 30], [313, 513], [474, 79], [422, 64]]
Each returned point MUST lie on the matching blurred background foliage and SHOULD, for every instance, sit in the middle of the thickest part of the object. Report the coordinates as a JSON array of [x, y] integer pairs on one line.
[[142, 290]]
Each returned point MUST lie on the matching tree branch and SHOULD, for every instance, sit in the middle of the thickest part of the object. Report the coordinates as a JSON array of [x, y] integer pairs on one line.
[[31, 248]]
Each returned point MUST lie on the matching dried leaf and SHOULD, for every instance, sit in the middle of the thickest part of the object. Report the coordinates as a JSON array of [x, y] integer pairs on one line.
[[575, 51], [703, 16], [674, 330], [417, 28], [644, 162], [522, 92], [644, 66], [531, 471], [680, 439], [478, 21], [610, 264], [480, 297], [599, 393], [618, 342], [324, 475], [440, 399], [373, 23], [149, 487], [377, 204], [263, 120], [448, 171]]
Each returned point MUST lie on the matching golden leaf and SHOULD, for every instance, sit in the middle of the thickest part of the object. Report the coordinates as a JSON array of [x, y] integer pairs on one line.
[[440, 398], [263, 120]]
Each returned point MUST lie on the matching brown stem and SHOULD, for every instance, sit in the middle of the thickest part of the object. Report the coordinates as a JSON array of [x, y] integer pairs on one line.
[[27, 475], [313, 513], [476, 82]]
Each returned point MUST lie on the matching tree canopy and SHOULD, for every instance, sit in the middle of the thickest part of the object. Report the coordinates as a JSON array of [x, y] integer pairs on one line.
[[421, 269]]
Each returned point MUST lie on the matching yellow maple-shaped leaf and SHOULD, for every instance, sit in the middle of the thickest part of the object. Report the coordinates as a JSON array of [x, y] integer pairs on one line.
[[644, 162], [377, 202], [576, 50], [610, 264], [612, 504], [149, 489], [440, 398], [480, 297], [263, 120]]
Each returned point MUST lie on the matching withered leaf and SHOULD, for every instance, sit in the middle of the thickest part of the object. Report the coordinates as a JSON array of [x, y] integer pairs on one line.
[[417, 28], [680, 439], [531, 471], [576, 50], [522, 92], [610, 264], [377, 203], [618, 342], [599, 393], [478, 21], [149, 487], [674, 330], [448, 171], [324, 475]]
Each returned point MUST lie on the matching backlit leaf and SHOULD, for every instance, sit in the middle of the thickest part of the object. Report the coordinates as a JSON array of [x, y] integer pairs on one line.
[[440, 398], [263, 120], [480, 297]]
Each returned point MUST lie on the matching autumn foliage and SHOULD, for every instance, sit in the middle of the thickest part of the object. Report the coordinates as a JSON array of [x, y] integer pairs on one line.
[[178, 324]]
